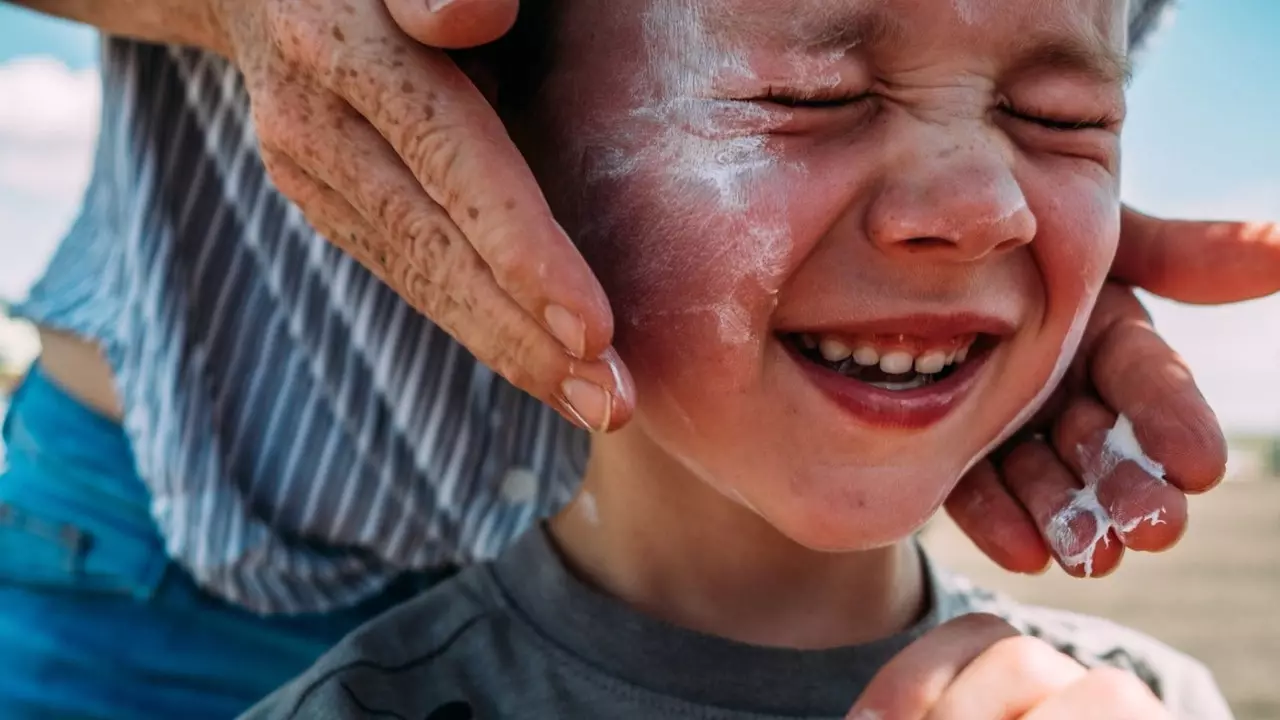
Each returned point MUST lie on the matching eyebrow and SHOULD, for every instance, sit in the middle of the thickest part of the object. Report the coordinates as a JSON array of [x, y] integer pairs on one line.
[[839, 28], [1077, 50], [1081, 52]]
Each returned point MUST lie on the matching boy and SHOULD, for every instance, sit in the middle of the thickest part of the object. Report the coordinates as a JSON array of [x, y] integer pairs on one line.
[[851, 243]]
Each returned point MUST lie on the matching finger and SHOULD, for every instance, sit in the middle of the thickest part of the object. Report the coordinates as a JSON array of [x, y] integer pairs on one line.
[[1006, 681], [1102, 694], [1142, 378], [1147, 513], [440, 275], [1076, 529], [456, 147], [910, 684], [325, 210], [454, 23], [984, 510], [1198, 262]]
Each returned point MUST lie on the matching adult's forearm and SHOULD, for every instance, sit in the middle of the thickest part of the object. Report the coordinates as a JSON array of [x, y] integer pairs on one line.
[[179, 22]]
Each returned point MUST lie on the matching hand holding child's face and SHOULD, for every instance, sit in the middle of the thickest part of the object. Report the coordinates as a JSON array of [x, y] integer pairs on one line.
[[930, 187]]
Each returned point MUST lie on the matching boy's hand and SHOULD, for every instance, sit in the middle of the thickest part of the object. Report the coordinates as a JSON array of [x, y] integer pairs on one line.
[[977, 667], [1012, 504], [393, 155]]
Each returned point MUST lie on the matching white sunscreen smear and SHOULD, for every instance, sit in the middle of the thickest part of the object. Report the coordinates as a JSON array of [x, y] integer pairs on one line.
[[710, 151], [1121, 445]]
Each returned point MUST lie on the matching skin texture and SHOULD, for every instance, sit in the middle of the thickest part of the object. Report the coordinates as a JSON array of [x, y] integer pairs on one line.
[[925, 199], [712, 508], [740, 501], [505, 271]]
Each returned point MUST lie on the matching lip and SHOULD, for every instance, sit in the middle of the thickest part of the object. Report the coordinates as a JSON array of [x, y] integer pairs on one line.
[[907, 409]]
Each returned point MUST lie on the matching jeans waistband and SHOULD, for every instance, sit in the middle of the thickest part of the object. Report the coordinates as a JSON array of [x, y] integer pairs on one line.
[[71, 492]]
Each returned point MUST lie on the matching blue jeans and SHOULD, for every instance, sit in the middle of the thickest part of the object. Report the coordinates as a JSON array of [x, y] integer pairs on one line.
[[95, 620]]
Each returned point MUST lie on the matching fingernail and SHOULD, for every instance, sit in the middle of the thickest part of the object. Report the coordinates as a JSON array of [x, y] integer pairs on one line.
[[590, 403], [438, 5], [568, 329]]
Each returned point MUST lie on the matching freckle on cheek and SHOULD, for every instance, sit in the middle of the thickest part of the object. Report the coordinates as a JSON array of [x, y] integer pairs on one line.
[[337, 34]]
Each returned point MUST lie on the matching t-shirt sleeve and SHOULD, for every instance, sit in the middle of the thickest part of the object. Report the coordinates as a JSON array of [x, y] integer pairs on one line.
[[399, 665]]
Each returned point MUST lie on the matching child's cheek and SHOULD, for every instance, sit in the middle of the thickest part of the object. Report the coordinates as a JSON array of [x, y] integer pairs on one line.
[[1078, 227], [1079, 231], [692, 265]]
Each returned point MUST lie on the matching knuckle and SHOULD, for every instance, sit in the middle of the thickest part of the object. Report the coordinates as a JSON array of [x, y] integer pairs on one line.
[[394, 212], [984, 624], [517, 363], [1027, 459], [1024, 656], [294, 29], [511, 264], [1122, 690], [430, 246], [434, 153]]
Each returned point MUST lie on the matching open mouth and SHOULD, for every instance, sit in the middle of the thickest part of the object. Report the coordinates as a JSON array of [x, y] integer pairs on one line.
[[897, 365], [889, 379]]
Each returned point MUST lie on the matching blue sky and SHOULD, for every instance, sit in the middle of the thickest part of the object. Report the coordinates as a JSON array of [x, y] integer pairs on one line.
[[1203, 139]]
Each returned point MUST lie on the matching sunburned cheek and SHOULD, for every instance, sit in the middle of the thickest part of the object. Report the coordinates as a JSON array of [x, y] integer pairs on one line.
[[676, 262], [1074, 251]]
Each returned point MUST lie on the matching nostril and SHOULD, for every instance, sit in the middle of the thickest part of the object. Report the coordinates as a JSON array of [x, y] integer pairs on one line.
[[1009, 244], [926, 243]]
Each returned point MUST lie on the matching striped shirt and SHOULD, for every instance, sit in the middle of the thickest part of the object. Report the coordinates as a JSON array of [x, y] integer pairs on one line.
[[305, 435]]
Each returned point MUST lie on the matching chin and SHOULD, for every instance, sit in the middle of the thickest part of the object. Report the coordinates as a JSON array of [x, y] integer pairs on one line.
[[865, 510]]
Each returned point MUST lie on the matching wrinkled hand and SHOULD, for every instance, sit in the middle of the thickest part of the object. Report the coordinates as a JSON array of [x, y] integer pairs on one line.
[[977, 667], [1015, 505], [393, 155]]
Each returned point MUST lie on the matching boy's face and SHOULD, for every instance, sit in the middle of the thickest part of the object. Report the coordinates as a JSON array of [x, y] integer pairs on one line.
[[923, 184]]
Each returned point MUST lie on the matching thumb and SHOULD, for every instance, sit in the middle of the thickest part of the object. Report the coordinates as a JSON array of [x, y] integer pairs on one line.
[[1200, 262], [454, 24]]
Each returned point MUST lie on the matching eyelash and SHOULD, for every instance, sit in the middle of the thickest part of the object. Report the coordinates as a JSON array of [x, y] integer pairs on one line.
[[1099, 122], [832, 99], [811, 99]]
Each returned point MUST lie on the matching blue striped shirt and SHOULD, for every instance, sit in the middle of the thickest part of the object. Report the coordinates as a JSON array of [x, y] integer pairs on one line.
[[305, 435]]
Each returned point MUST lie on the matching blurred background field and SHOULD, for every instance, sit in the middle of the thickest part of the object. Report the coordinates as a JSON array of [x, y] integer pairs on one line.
[[1213, 596], [1201, 141]]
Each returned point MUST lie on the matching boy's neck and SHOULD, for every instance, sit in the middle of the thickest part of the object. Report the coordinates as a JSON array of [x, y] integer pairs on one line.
[[648, 532]]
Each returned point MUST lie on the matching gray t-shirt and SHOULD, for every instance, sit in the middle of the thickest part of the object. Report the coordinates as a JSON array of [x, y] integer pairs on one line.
[[523, 638]]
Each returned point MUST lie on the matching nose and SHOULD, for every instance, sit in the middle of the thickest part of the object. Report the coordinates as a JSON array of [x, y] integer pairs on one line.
[[951, 203]]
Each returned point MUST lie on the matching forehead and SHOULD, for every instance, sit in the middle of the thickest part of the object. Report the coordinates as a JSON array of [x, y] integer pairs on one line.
[[1087, 34]]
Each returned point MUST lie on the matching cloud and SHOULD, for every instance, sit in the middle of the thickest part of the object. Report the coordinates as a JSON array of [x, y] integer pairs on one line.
[[48, 125], [47, 102]]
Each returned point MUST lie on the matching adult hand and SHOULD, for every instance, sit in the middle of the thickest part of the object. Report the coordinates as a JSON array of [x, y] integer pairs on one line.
[[977, 667], [393, 155], [1018, 506]]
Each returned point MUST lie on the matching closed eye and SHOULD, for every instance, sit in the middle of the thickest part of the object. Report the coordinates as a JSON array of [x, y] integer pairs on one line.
[[1103, 122], [811, 99]]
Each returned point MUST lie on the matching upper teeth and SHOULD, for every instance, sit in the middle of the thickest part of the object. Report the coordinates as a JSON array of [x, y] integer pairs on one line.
[[892, 360]]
